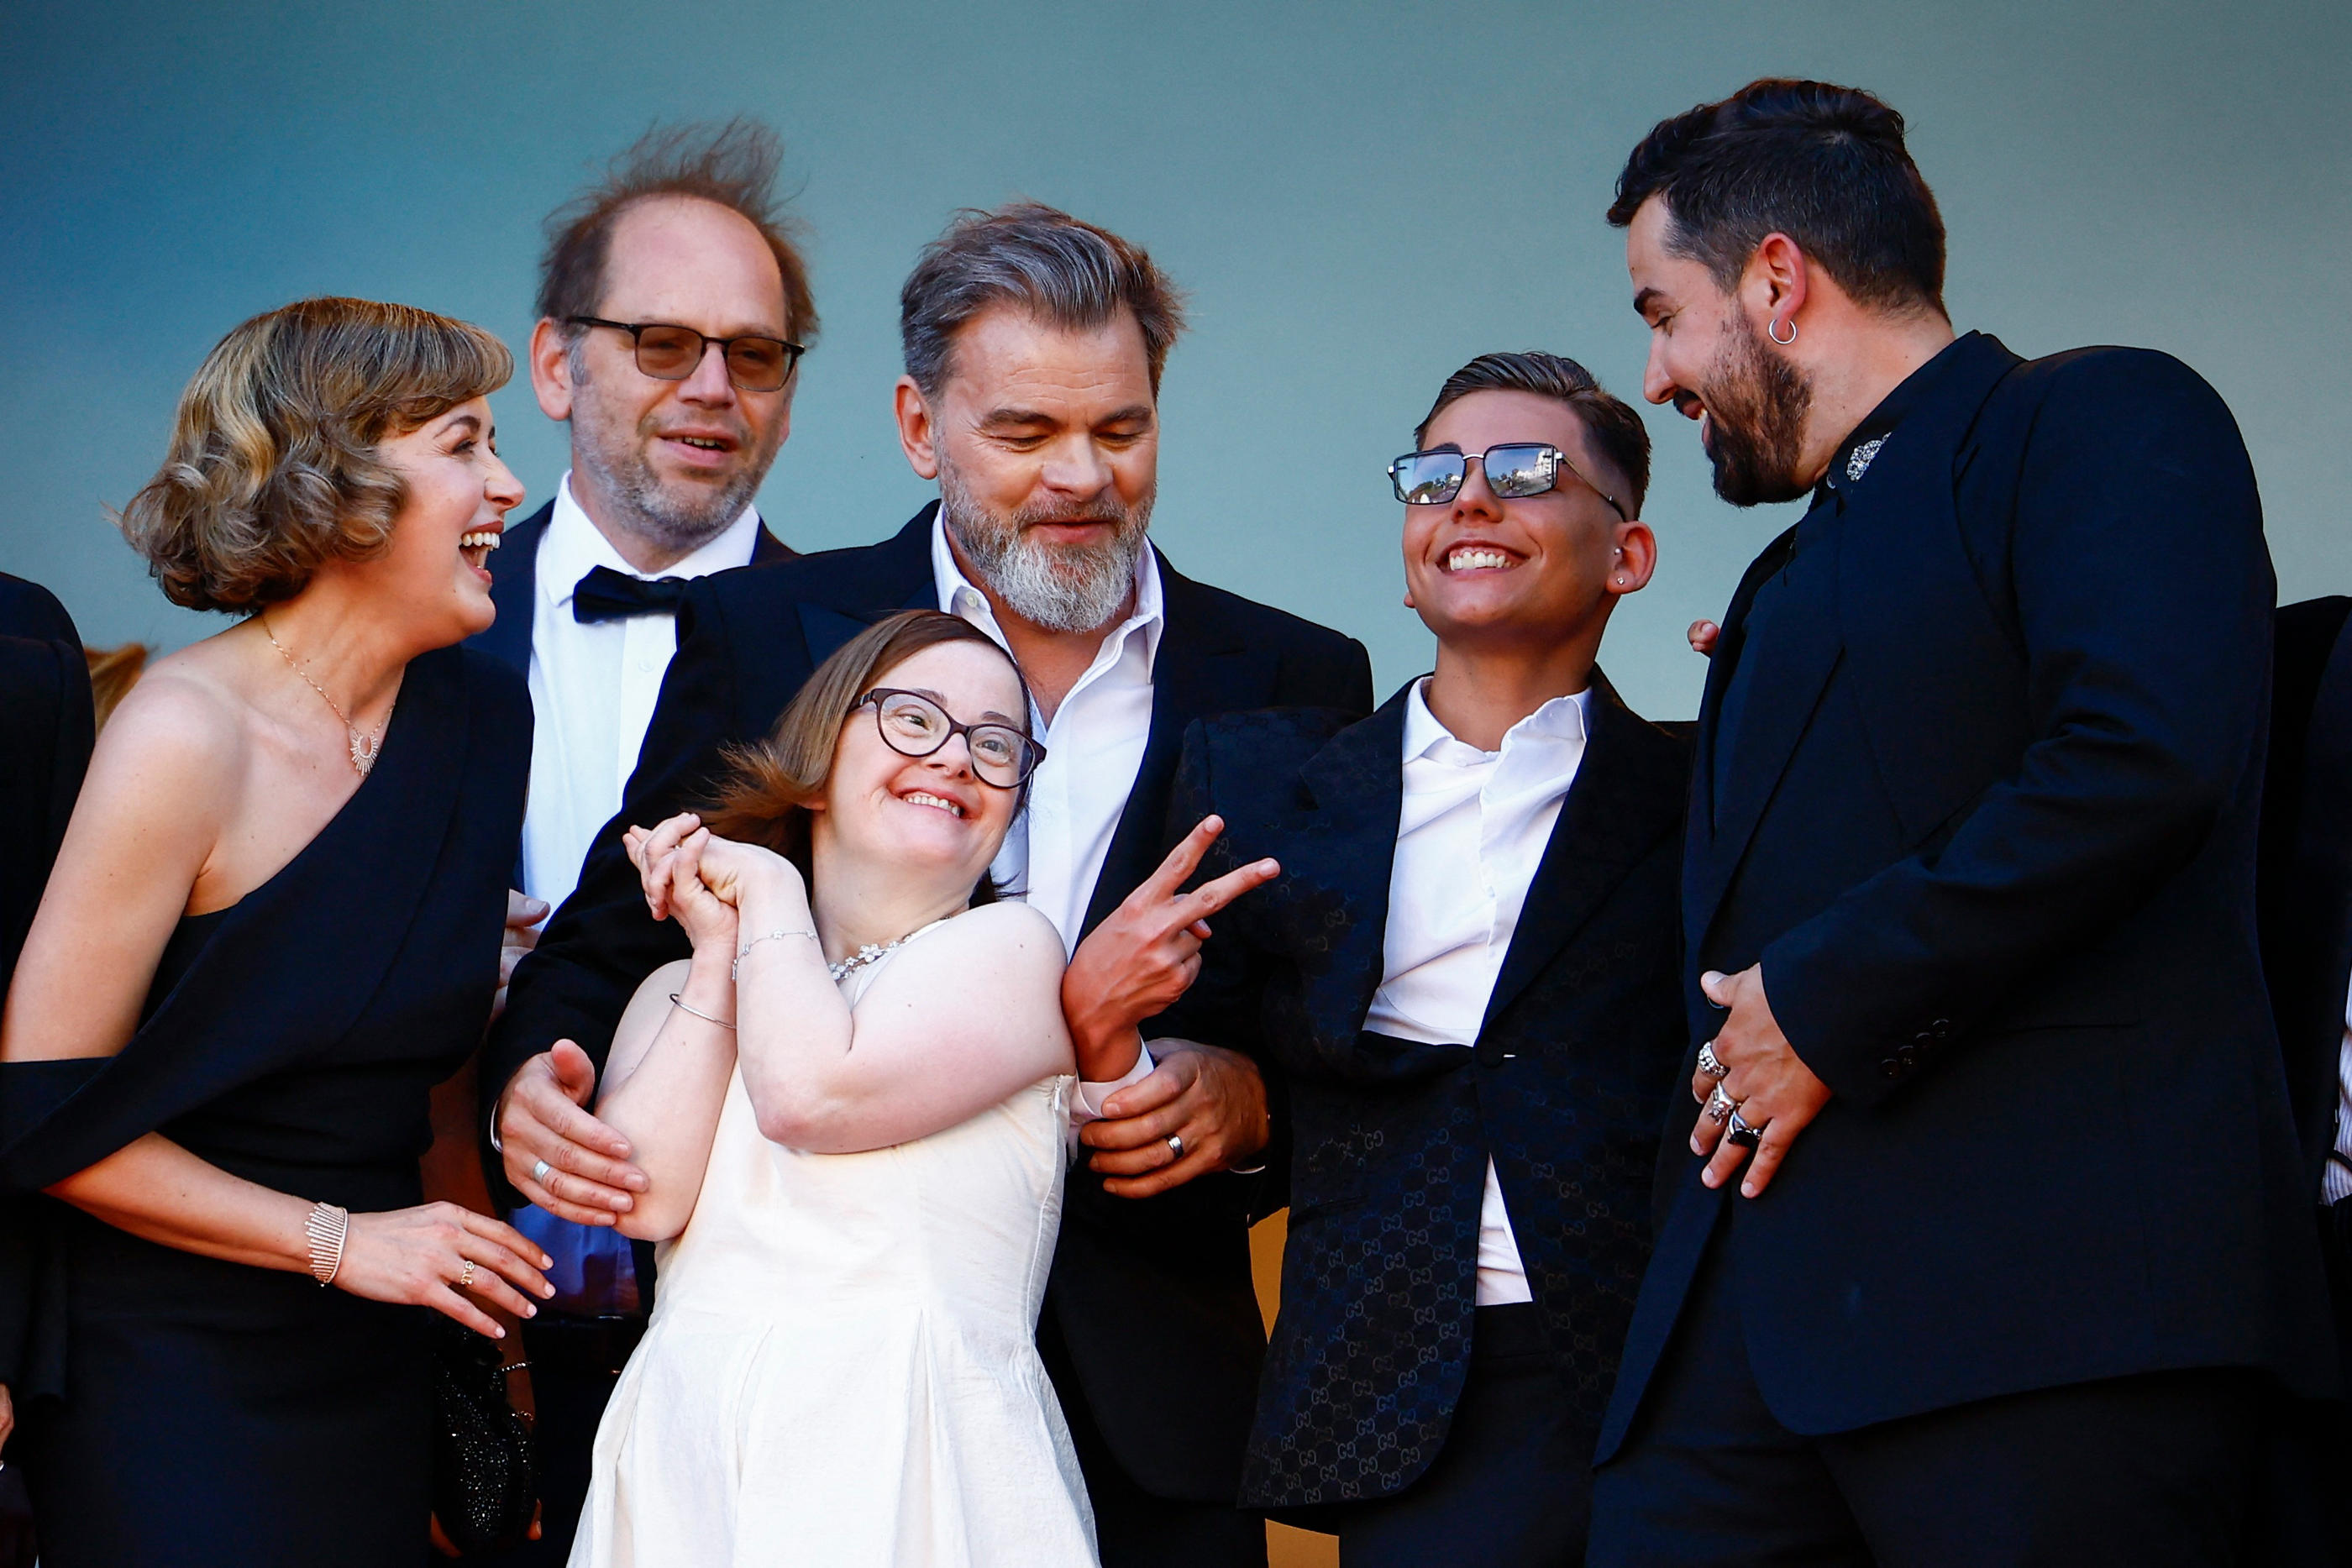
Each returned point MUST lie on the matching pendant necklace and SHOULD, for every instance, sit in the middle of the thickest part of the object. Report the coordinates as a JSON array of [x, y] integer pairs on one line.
[[870, 953], [364, 746]]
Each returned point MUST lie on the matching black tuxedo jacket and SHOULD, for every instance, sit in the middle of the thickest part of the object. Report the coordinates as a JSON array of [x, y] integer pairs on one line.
[[514, 577], [1988, 821], [1152, 1297], [1564, 1087]]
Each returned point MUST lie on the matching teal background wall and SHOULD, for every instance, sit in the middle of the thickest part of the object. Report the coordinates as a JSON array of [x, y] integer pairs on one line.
[[1359, 197]]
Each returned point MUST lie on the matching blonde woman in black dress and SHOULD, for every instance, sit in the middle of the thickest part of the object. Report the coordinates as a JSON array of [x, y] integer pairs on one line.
[[273, 925]]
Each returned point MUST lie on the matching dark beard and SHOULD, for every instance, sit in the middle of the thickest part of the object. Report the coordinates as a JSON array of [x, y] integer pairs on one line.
[[1756, 406]]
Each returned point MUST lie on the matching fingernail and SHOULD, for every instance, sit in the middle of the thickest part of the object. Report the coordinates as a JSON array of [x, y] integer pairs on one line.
[[1710, 1178], [547, 1262], [1746, 1189], [1696, 1148], [528, 1311], [497, 1333]]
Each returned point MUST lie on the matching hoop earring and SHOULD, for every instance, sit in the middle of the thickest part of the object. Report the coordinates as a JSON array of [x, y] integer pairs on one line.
[[1776, 336]]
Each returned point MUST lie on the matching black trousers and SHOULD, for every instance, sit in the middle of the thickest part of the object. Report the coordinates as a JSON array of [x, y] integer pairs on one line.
[[2153, 1471], [1512, 1486], [1134, 1529]]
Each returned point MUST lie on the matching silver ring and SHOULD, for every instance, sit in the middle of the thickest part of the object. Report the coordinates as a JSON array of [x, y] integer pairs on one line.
[[1741, 1132], [1721, 1107], [1712, 1064], [466, 1276], [1176, 1144], [538, 1172]]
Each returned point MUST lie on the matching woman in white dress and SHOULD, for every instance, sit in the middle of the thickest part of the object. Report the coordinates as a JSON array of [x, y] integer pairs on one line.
[[852, 1103]]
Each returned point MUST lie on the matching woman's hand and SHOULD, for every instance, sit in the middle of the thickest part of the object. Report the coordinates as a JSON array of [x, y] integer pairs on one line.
[[668, 861], [420, 1256]]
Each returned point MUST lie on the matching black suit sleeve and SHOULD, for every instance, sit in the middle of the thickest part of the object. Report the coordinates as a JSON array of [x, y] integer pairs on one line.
[[601, 944], [2142, 589]]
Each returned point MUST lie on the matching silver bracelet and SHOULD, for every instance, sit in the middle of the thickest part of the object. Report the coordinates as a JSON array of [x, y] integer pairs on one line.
[[327, 1230], [698, 1012], [735, 971]]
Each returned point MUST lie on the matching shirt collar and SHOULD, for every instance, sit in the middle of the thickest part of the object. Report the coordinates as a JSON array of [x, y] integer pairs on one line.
[[1426, 736], [573, 544], [957, 596]]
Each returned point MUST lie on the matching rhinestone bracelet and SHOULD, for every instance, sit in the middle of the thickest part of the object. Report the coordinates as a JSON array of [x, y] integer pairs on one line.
[[327, 1227]]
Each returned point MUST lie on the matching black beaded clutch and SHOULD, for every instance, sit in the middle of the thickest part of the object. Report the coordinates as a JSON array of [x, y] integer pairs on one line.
[[485, 1466]]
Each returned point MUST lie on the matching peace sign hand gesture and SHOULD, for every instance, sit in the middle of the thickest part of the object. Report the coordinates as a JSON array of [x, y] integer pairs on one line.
[[1146, 954]]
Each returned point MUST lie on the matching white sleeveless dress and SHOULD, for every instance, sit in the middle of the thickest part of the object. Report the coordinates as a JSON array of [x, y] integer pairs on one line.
[[842, 1367]]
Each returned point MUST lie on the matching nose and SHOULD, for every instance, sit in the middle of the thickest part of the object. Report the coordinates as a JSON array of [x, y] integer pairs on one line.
[[1476, 498], [953, 758], [708, 385], [1657, 386], [500, 487], [1076, 467]]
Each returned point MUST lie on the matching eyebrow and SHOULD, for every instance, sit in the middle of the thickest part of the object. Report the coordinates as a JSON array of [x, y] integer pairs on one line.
[[989, 717], [1645, 299], [461, 421], [1133, 412]]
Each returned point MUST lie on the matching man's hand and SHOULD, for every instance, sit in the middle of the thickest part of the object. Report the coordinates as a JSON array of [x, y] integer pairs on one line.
[[7, 1416], [1777, 1093], [1211, 1098], [1703, 635], [1147, 951], [590, 1180]]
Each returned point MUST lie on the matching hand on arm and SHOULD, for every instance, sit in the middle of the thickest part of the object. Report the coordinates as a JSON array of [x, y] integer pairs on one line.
[[1777, 1094], [1211, 1100]]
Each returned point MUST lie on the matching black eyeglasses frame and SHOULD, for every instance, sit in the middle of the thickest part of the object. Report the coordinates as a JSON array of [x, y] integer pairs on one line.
[[793, 351], [1033, 754], [1558, 460]]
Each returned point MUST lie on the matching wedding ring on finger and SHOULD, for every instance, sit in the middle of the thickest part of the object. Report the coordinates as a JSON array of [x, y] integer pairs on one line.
[[1712, 1064], [1176, 1144], [538, 1172], [1721, 1107], [1741, 1132], [466, 1276]]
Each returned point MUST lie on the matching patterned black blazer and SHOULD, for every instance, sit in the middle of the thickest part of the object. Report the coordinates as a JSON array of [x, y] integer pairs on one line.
[[1564, 1087]]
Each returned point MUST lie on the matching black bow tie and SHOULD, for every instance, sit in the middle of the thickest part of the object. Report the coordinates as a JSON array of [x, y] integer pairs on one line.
[[608, 595]]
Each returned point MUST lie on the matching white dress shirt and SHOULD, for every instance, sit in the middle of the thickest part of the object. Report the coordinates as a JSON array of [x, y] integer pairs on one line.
[[1054, 852], [592, 688], [2336, 1184], [1464, 811]]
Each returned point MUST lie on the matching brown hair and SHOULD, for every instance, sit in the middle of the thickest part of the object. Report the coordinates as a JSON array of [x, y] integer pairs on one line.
[[767, 787], [112, 672], [1618, 433], [1065, 271], [273, 468], [733, 165]]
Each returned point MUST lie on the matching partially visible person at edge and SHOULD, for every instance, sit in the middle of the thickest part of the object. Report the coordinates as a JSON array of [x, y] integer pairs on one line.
[[272, 929], [1988, 1247], [1467, 973], [2303, 892], [853, 1105], [47, 720], [1034, 347], [673, 310]]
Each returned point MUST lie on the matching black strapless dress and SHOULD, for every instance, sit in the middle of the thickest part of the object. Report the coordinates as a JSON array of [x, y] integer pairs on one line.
[[189, 1411]]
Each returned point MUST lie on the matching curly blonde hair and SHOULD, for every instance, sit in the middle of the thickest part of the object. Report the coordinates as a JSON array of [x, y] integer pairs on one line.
[[273, 467]]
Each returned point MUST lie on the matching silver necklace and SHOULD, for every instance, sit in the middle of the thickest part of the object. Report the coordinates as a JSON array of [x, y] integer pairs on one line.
[[364, 746], [871, 953]]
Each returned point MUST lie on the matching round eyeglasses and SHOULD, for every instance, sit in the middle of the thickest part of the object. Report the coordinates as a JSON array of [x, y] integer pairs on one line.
[[1521, 468], [671, 353], [913, 725]]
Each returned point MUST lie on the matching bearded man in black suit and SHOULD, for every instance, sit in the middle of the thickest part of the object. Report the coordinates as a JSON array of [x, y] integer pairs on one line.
[[2020, 1255], [1034, 347]]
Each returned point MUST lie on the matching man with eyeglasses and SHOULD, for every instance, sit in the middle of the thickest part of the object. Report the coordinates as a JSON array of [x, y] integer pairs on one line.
[[1034, 348], [1466, 972], [673, 307]]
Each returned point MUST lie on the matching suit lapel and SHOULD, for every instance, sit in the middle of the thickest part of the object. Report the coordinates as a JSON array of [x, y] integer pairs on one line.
[[1202, 668], [766, 547], [1623, 800], [514, 589], [1357, 785], [1731, 638]]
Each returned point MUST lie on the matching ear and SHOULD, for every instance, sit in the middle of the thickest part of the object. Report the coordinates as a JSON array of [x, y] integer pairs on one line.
[[1777, 283], [1635, 559], [550, 370], [918, 430]]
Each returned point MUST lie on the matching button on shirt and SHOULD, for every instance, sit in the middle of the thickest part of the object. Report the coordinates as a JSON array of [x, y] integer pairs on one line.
[[592, 689], [1491, 814]]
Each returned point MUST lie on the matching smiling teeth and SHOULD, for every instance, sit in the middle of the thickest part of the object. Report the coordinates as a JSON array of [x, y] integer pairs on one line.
[[920, 799], [1477, 559], [705, 443], [482, 539]]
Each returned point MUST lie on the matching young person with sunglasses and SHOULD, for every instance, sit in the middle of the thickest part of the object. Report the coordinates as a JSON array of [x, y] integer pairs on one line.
[[1466, 974], [851, 1104]]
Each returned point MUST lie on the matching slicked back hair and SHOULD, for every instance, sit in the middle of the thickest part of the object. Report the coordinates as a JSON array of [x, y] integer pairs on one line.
[[1064, 271], [733, 165], [1618, 437], [1824, 164]]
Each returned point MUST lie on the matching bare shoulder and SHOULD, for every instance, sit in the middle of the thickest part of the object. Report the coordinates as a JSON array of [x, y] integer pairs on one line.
[[1008, 931], [180, 721], [1005, 951]]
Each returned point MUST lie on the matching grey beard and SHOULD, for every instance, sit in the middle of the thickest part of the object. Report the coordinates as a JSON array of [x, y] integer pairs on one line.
[[1756, 449], [1060, 590]]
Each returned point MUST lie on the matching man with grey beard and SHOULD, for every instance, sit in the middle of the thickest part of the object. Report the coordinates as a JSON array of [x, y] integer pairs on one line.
[[1034, 347], [672, 309]]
